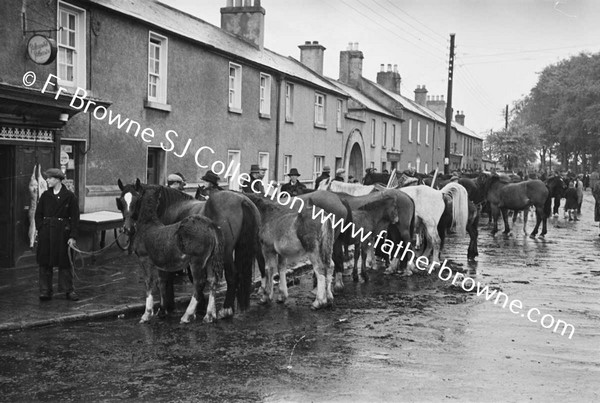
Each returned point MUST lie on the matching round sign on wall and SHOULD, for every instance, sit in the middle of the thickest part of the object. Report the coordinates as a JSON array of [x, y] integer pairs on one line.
[[41, 50], [64, 158]]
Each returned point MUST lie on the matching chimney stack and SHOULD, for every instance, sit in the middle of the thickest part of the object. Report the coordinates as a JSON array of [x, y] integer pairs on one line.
[[245, 20], [311, 55], [351, 61], [421, 95], [437, 104], [389, 79], [460, 117]]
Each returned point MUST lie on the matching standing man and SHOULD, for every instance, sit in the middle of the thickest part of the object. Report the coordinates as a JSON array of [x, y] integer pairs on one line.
[[323, 177], [57, 221], [254, 185], [294, 187]]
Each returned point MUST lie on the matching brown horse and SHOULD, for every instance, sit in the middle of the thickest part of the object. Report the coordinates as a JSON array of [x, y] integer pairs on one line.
[[287, 235], [195, 241], [233, 212], [504, 195]]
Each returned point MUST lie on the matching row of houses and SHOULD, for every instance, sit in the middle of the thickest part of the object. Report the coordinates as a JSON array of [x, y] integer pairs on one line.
[[138, 89]]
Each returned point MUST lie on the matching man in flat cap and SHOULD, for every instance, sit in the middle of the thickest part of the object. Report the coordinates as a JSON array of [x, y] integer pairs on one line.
[[57, 221], [339, 174], [176, 180], [323, 177]]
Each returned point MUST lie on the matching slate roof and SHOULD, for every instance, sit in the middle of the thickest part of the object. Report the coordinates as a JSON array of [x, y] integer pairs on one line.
[[363, 99], [208, 35], [414, 107]]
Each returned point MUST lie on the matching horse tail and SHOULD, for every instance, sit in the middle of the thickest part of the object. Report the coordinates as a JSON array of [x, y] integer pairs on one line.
[[217, 262], [413, 220], [346, 237], [460, 206], [247, 249]]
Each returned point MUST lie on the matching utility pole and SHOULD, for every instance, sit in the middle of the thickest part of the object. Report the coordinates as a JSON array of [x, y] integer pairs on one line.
[[506, 119], [449, 107]]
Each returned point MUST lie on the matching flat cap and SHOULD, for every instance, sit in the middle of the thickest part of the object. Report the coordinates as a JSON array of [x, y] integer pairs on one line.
[[55, 173]]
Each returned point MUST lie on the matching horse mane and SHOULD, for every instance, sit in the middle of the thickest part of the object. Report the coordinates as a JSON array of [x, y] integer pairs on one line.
[[263, 203], [353, 189], [150, 200], [377, 204]]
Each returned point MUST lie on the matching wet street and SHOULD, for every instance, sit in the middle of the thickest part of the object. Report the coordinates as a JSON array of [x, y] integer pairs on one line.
[[392, 339]]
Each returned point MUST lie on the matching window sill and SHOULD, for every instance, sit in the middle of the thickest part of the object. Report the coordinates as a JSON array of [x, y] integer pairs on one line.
[[320, 126], [372, 145], [264, 115], [383, 147], [233, 109], [289, 120], [157, 105], [339, 130]]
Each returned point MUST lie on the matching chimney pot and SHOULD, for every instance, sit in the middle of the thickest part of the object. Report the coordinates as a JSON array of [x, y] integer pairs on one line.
[[395, 68], [315, 42], [307, 42], [247, 3], [355, 45], [349, 46], [389, 67], [382, 67]]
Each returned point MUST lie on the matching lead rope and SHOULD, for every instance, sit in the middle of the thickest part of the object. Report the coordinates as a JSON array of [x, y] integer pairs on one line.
[[88, 253]]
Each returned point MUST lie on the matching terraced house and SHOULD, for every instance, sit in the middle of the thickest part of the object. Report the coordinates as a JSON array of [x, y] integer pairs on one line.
[[139, 90]]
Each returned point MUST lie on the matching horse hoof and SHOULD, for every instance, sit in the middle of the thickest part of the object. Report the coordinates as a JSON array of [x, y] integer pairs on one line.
[[365, 277], [186, 319], [532, 236], [225, 313], [209, 318], [338, 287], [355, 278], [280, 300]]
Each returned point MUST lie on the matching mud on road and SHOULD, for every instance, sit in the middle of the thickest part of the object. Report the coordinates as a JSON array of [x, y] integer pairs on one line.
[[391, 339]]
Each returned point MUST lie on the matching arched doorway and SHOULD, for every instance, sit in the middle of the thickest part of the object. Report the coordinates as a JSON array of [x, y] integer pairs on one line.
[[355, 166]]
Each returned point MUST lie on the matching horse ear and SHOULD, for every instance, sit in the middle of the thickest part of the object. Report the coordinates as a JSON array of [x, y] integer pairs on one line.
[[138, 184], [119, 202], [120, 184]]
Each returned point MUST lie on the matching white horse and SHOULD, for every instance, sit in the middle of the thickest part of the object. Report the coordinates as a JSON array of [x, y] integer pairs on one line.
[[429, 207], [353, 189]]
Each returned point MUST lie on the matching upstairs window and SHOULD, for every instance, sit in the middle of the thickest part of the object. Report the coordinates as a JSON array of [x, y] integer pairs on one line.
[[384, 134], [289, 102], [71, 46], [235, 88], [373, 132], [427, 134], [394, 143], [157, 68], [318, 163], [339, 114], [418, 132], [265, 95], [319, 109], [410, 131]]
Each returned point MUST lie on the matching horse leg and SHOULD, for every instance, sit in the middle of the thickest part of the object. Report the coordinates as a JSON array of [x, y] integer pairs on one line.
[[283, 290], [320, 272], [199, 274], [505, 218], [525, 216], [338, 262], [167, 292], [357, 255], [495, 213], [539, 217], [364, 251], [231, 280], [267, 281], [150, 277]]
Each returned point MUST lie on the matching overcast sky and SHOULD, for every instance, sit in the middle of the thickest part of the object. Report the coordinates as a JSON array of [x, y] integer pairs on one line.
[[501, 45]]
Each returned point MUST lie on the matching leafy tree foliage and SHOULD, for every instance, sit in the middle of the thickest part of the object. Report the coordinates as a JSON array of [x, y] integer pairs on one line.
[[565, 105]]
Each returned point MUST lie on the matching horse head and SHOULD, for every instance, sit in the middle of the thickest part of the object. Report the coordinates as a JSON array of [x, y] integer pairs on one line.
[[128, 204], [202, 193], [556, 186]]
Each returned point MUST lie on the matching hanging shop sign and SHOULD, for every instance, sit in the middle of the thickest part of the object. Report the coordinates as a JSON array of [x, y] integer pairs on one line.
[[41, 50]]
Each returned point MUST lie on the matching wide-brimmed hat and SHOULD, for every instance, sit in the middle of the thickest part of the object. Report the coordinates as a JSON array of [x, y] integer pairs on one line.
[[326, 168], [55, 173], [211, 177], [256, 168], [294, 172], [340, 171]]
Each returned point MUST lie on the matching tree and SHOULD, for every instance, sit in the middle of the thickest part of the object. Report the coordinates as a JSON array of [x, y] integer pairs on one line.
[[565, 104]]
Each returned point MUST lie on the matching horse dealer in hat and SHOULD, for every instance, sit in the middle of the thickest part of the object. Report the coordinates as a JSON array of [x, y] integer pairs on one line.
[[294, 187]]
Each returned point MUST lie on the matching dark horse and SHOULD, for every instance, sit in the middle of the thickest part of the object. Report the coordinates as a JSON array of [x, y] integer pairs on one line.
[[556, 187], [194, 241], [372, 178], [238, 219], [504, 195]]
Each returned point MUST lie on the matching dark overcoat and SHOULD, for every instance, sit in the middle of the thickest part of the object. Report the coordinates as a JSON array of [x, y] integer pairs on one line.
[[57, 220], [294, 189]]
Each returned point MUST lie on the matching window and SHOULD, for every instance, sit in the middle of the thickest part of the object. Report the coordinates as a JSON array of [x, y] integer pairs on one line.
[[394, 137], [287, 165], [410, 130], [384, 134], [338, 115], [426, 168], [319, 109], [265, 95], [71, 46], [235, 157], [75, 167], [289, 102], [318, 163], [372, 165], [373, 132], [383, 166], [409, 165], [155, 166], [263, 162], [157, 68], [235, 88], [418, 132], [338, 163], [418, 169], [427, 133]]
